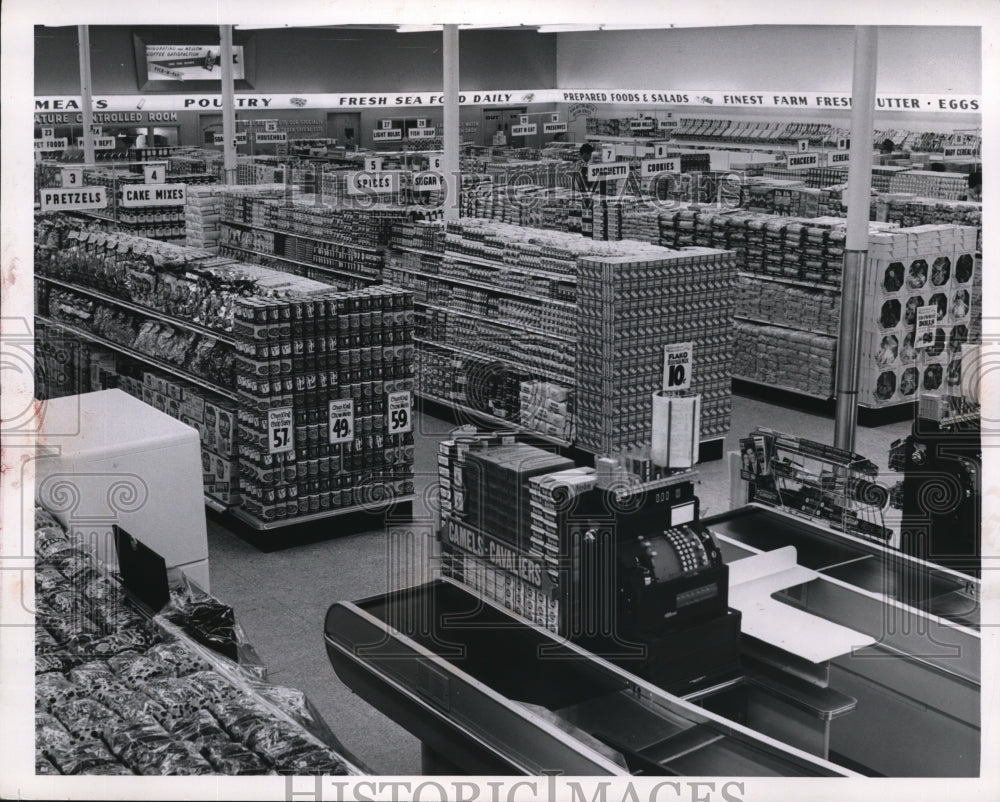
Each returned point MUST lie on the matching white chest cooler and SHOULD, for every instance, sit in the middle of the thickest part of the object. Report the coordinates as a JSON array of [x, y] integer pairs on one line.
[[107, 458]]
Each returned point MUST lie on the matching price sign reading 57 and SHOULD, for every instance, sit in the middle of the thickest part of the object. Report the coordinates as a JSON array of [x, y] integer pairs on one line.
[[399, 406], [279, 430], [342, 420]]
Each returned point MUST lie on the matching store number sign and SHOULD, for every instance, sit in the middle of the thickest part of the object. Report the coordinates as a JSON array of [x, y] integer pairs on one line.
[[399, 406], [677, 366], [280, 432], [341, 420]]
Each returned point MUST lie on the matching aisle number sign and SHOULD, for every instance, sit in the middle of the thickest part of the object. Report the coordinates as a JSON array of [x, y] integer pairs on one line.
[[605, 172], [387, 134], [660, 150], [802, 161], [437, 162], [607, 153], [421, 133], [52, 143], [72, 177], [48, 133], [803, 145], [238, 139], [268, 138], [553, 128], [399, 406], [368, 183], [426, 182], [153, 173], [373, 164], [677, 366], [100, 142], [926, 323], [843, 143], [134, 196], [651, 167], [524, 130], [341, 420], [54, 199], [280, 431]]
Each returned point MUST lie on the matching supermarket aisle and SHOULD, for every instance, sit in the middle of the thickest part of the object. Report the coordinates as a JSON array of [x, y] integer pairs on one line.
[[281, 597]]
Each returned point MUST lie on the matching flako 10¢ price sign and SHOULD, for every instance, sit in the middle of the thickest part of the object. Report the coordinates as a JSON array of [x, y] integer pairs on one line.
[[677, 366]]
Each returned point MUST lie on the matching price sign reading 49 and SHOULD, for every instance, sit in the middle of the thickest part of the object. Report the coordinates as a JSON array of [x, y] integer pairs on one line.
[[280, 432], [677, 366], [342, 420], [399, 406]]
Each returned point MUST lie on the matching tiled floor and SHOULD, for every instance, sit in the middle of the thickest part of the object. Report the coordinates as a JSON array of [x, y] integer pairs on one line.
[[281, 597]]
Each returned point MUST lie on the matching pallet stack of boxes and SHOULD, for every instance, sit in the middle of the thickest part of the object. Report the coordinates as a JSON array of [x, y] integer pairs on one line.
[[630, 307], [909, 269]]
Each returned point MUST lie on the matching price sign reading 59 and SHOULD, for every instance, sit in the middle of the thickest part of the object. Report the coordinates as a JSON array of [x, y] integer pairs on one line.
[[399, 406], [342, 420], [280, 431]]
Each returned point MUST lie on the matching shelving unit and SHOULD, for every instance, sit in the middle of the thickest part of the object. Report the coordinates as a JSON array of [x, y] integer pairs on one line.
[[366, 468], [142, 310], [166, 367], [255, 257]]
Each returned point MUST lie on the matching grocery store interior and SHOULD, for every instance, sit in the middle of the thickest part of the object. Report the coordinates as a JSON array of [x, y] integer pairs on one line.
[[491, 400]]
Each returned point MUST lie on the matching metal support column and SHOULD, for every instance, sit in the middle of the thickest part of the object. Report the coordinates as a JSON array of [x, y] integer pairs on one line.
[[86, 101], [228, 105], [452, 174], [859, 182]]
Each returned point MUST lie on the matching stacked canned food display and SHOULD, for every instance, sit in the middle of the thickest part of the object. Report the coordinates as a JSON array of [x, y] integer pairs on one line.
[[325, 385]]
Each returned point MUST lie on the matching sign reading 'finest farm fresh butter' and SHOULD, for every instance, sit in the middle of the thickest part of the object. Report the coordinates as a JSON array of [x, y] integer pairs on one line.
[[138, 195]]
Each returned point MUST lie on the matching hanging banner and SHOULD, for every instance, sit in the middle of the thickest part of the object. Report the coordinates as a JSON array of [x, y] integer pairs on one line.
[[827, 101]]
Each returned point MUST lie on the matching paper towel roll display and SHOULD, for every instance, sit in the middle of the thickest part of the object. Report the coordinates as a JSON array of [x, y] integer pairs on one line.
[[676, 427]]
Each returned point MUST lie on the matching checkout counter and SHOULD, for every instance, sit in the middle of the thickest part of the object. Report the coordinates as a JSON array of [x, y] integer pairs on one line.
[[882, 679], [759, 642]]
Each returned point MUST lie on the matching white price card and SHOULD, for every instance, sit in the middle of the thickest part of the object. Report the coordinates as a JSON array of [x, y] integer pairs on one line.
[[280, 430], [72, 177], [154, 173], [926, 323], [399, 411], [677, 366], [341, 420]]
